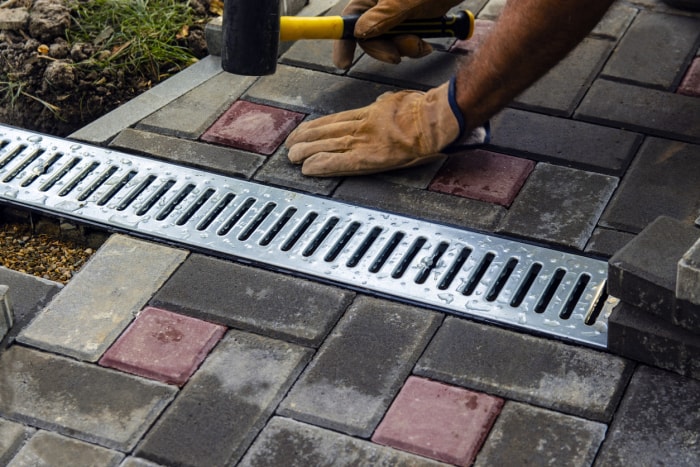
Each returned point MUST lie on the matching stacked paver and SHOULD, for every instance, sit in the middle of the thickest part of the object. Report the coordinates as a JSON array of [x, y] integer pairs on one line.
[[156, 355], [656, 278]]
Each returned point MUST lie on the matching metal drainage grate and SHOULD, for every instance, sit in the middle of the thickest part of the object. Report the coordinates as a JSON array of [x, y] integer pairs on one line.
[[462, 272]]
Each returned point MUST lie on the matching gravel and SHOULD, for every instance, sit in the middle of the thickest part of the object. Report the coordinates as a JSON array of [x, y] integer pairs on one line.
[[41, 255]]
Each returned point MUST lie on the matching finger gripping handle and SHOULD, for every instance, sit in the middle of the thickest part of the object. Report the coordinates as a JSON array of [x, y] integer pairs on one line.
[[459, 25]]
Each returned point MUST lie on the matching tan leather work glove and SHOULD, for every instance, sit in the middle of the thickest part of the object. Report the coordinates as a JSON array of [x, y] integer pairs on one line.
[[398, 130], [378, 16]]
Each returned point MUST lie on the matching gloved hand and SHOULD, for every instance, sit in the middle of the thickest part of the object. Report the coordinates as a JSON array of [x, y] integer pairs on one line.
[[398, 130], [379, 16]]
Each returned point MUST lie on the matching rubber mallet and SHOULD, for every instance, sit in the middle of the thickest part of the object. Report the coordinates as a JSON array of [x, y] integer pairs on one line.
[[252, 30]]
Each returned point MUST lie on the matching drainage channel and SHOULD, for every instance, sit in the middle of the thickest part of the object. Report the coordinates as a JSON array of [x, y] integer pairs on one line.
[[462, 272]]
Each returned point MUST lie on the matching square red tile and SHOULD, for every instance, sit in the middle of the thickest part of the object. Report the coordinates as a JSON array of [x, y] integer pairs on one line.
[[253, 127], [483, 175], [482, 28], [690, 86], [439, 421], [164, 346]]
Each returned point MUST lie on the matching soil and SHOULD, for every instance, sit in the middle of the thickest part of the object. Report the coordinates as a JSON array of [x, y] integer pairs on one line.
[[59, 98]]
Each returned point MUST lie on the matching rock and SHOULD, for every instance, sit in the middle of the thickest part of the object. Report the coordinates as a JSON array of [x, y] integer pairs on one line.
[[13, 19], [49, 19]]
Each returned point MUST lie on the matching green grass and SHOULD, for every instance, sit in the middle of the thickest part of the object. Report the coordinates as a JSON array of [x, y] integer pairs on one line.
[[138, 36]]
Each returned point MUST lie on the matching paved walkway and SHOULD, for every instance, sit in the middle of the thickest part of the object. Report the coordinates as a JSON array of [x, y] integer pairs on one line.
[[155, 355]]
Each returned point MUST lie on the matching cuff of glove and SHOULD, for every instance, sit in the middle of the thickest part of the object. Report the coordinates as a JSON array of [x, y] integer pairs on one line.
[[477, 137]]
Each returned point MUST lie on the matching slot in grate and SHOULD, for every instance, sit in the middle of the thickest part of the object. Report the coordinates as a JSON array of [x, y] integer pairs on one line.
[[455, 270]]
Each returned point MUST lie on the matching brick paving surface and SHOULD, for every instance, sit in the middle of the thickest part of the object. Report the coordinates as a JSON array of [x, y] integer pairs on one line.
[[154, 354]]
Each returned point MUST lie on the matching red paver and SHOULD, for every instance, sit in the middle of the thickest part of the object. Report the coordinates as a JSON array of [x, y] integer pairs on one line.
[[253, 127], [436, 420], [482, 27], [690, 86], [483, 175], [164, 346]]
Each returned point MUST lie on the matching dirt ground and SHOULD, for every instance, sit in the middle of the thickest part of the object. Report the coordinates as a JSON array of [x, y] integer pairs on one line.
[[58, 97]]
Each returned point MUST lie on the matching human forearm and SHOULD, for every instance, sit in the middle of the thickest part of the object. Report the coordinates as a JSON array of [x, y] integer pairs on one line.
[[529, 38]]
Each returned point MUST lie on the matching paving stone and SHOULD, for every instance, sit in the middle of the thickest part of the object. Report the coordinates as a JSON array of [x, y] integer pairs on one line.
[[76, 399], [314, 55], [28, 294], [552, 438], [7, 314], [662, 181], [47, 449], [89, 313], [607, 242], [456, 210], [273, 304], [425, 73], [644, 272], [483, 175], [164, 346], [562, 88], [279, 171], [108, 126], [616, 21], [313, 91], [191, 114], [253, 127], [137, 462], [209, 157], [12, 436], [651, 111], [690, 86], [493, 9], [570, 379], [361, 366], [414, 177], [438, 421], [226, 403], [657, 422], [633, 333], [294, 444], [688, 283], [545, 211], [563, 141], [655, 50]]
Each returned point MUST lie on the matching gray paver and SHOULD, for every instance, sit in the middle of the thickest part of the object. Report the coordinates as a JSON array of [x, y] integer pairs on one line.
[[314, 55], [688, 283], [361, 366], [294, 444], [553, 438], [6, 313], [76, 399], [249, 298], [545, 209], [430, 71], [107, 127], [657, 422], [607, 242], [561, 89], [47, 449], [662, 180], [550, 374], [137, 462], [227, 161], [655, 50], [616, 21], [376, 193], [558, 140], [313, 91], [642, 109], [101, 300], [635, 334], [226, 403], [644, 272], [191, 114], [279, 171], [28, 294], [12, 436]]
